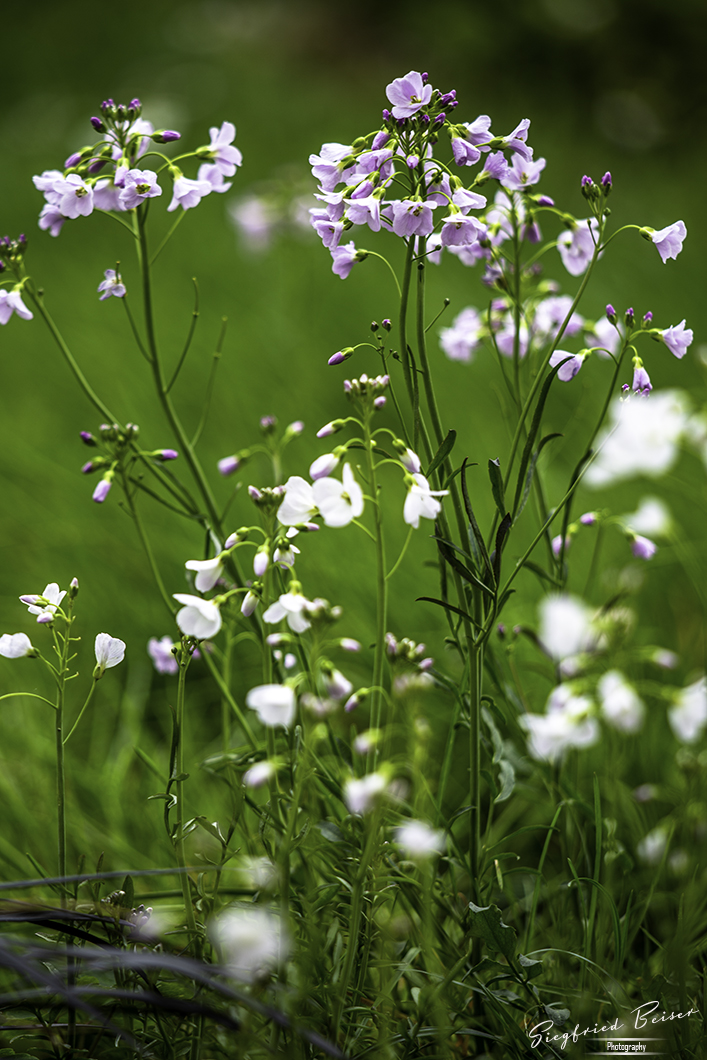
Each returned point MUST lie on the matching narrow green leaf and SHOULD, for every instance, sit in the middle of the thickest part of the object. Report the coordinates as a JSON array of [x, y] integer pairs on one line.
[[446, 606], [501, 535], [486, 923], [507, 778], [462, 570], [129, 888], [476, 535], [442, 453], [497, 486], [531, 471], [532, 434]]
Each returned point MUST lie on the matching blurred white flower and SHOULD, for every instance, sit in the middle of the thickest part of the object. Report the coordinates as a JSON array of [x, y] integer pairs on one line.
[[651, 847], [299, 505], [688, 716], [565, 725], [361, 795], [198, 618], [109, 652], [338, 502], [565, 626], [15, 645], [642, 438], [652, 517], [620, 703], [259, 774], [252, 941], [275, 704], [418, 840], [291, 606]]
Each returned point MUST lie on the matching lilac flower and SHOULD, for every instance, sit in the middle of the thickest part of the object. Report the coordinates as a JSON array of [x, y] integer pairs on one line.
[[198, 618], [344, 259], [522, 173], [364, 210], [479, 131], [668, 240], [227, 158], [459, 230], [570, 368], [138, 185], [338, 502], [112, 285], [576, 247], [496, 165], [413, 217], [44, 605], [326, 166], [109, 652], [16, 646], [550, 314], [643, 547], [464, 336], [74, 197], [324, 465], [408, 94], [228, 464], [677, 338], [188, 193], [160, 651], [641, 380], [11, 302], [102, 490], [465, 154], [51, 218], [420, 501]]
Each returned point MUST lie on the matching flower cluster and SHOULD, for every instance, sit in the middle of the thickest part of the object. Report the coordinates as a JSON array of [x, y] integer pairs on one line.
[[109, 175]]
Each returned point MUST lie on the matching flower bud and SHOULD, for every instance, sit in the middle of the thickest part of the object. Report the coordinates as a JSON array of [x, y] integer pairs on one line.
[[611, 314], [166, 136], [73, 588], [250, 602], [87, 438], [341, 356], [379, 402], [629, 318], [647, 319], [606, 183], [166, 454], [97, 125], [330, 428], [386, 324], [103, 488]]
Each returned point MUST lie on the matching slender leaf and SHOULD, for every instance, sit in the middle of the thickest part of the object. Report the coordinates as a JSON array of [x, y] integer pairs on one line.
[[501, 535], [531, 471], [462, 570], [476, 534], [444, 604], [442, 453], [532, 434], [497, 486]]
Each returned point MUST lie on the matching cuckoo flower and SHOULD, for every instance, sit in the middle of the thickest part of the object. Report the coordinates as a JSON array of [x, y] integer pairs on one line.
[[11, 302], [226, 157], [677, 338], [16, 646], [198, 618], [668, 240], [420, 501], [338, 502], [274, 704], [45, 605], [112, 285], [408, 94], [109, 652]]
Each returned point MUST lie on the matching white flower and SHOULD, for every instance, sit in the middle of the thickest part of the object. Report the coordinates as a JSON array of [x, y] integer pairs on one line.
[[420, 501], [651, 847], [565, 626], [44, 605], [652, 517], [323, 466], [689, 715], [252, 941], [198, 618], [337, 686], [338, 502], [418, 840], [565, 725], [289, 606], [275, 704], [208, 572], [15, 645], [642, 438], [109, 652], [620, 704], [259, 774], [298, 505], [360, 795], [188, 193]]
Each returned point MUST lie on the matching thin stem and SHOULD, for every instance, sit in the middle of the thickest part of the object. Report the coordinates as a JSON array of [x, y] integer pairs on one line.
[[32, 695], [146, 545], [136, 333], [190, 336], [89, 697], [399, 560], [179, 840], [381, 581], [225, 691], [170, 233], [210, 388]]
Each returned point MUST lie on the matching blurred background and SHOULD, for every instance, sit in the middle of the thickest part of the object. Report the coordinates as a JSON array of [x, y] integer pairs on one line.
[[608, 84]]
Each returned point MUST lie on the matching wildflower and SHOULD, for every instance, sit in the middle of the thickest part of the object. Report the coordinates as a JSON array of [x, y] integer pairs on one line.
[[72, 196], [291, 606], [642, 438], [344, 259], [349, 644], [620, 704], [226, 157], [551, 312], [160, 651], [565, 725], [109, 652], [338, 502], [565, 626], [419, 841], [516, 140], [652, 847], [188, 193], [688, 716], [208, 572], [228, 465], [668, 240], [259, 774], [16, 646], [361, 795], [463, 337], [138, 185], [51, 218], [45, 605], [285, 557], [274, 704], [252, 941], [323, 466], [408, 94], [250, 602], [103, 488], [459, 229], [213, 176], [11, 302], [112, 285], [198, 618], [337, 686], [420, 501], [522, 173], [299, 504], [576, 247], [641, 380], [677, 339], [465, 153], [642, 547], [569, 369], [556, 544], [413, 217]]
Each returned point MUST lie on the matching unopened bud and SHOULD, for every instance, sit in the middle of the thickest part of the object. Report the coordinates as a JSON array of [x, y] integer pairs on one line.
[[629, 318], [166, 136], [611, 314]]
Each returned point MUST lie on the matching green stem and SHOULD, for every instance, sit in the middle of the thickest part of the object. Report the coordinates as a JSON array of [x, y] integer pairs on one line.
[[226, 693], [381, 581], [179, 842], [89, 697], [146, 545], [355, 921]]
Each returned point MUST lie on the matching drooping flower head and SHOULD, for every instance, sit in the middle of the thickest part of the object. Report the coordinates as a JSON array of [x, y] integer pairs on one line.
[[109, 652]]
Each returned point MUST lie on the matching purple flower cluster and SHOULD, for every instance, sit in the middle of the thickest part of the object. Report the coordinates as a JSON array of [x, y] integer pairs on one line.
[[106, 175], [391, 180]]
